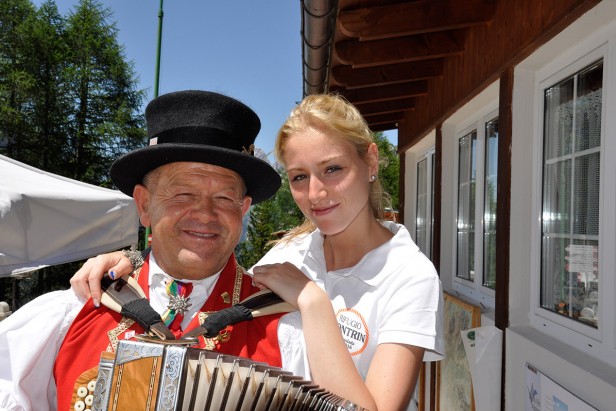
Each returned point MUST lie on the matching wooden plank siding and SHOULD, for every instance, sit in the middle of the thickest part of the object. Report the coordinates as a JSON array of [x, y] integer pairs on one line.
[[519, 27]]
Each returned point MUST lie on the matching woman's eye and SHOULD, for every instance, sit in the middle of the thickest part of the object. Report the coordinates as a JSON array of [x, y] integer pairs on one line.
[[332, 169], [299, 177]]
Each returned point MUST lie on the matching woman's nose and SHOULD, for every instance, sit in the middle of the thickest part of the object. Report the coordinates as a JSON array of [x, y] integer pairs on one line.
[[316, 190]]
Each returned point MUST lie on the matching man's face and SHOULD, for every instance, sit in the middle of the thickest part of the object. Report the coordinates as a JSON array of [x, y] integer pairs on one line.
[[195, 211]]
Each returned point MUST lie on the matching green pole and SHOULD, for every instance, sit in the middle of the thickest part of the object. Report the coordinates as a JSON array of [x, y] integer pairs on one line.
[[160, 35], [156, 81]]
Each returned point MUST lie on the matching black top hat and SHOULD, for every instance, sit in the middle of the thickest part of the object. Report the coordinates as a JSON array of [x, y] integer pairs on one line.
[[199, 126]]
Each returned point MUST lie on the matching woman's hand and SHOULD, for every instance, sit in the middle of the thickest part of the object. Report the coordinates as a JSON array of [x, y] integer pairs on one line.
[[86, 282], [289, 283], [325, 347]]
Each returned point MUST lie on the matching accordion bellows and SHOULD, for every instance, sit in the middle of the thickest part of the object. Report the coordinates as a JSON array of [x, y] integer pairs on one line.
[[149, 376]]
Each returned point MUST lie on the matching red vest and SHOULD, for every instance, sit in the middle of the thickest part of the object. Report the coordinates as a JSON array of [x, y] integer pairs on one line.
[[93, 330]]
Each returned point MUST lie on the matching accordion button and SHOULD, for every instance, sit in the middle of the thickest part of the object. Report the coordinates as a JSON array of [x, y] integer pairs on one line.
[[89, 400], [82, 392], [80, 406], [91, 386]]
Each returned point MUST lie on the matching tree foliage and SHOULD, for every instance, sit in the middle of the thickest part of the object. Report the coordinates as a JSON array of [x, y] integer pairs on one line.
[[69, 102], [389, 172], [267, 222]]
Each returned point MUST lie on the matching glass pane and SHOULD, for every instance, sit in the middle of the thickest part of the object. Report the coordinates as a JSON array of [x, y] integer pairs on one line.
[[489, 206], [557, 197], [588, 108], [586, 195], [570, 281], [558, 120], [432, 202], [571, 195], [467, 172], [421, 233], [553, 274]]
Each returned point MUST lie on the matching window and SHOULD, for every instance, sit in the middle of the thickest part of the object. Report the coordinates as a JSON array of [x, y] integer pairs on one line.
[[571, 192], [574, 202], [489, 204], [424, 220], [467, 179], [475, 261]]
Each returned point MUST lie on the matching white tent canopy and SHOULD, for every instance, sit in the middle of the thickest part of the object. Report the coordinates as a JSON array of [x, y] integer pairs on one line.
[[46, 219]]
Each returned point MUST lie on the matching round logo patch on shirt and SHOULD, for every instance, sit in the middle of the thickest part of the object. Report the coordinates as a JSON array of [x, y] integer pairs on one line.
[[354, 330]]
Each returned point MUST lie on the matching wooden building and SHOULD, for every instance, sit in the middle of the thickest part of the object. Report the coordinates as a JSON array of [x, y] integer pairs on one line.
[[506, 118]]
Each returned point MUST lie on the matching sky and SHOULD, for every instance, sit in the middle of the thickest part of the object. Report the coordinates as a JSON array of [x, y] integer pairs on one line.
[[247, 49]]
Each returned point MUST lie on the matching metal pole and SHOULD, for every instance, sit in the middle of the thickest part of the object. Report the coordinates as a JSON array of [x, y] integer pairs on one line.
[[160, 35], [156, 81]]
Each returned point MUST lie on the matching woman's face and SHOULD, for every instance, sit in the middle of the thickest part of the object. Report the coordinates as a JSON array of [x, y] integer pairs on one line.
[[329, 181]]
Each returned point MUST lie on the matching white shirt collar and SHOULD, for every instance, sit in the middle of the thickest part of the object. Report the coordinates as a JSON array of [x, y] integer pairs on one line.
[[157, 282], [376, 265]]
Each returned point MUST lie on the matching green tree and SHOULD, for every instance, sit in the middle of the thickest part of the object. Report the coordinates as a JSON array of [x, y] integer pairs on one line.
[[69, 104], [389, 172], [15, 81], [267, 222], [45, 51], [103, 119]]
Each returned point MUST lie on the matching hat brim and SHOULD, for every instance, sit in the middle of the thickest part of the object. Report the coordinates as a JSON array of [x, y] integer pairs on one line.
[[261, 180]]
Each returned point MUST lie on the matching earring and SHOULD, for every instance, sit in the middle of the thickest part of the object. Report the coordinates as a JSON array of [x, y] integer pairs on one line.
[[372, 178]]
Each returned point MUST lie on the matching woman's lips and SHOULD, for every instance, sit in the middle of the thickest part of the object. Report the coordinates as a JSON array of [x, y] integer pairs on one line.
[[323, 210]]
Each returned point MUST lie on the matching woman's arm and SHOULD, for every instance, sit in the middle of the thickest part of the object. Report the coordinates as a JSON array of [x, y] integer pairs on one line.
[[393, 371], [393, 374]]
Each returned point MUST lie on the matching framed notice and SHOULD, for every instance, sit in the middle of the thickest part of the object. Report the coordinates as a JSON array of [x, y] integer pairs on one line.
[[543, 394], [454, 390]]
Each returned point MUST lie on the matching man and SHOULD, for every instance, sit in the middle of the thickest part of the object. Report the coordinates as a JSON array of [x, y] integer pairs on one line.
[[192, 187]]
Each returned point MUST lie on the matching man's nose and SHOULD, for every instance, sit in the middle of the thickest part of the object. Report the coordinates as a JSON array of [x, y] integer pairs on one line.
[[203, 207]]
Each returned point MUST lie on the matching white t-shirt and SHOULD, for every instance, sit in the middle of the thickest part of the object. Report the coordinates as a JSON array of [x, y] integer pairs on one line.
[[393, 295]]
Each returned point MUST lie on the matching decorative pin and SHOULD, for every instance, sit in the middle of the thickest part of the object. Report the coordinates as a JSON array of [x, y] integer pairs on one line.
[[225, 298], [179, 303], [250, 150]]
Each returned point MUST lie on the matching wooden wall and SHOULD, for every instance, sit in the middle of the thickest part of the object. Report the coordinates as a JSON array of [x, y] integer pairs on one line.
[[519, 28]]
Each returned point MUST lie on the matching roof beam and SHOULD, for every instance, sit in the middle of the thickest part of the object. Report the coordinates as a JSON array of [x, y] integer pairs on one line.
[[399, 50], [414, 17], [380, 75], [383, 93], [384, 126], [386, 107], [384, 118]]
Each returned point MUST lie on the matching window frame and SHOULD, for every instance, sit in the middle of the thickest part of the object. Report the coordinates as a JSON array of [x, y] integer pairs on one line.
[[601, 341], [429, 157], [475, 290]]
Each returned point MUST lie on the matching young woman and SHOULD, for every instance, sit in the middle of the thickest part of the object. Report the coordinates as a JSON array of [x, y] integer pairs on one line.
[[369, 302]]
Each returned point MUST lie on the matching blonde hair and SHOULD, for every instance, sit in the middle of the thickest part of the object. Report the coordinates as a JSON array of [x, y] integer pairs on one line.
[[334, 115]]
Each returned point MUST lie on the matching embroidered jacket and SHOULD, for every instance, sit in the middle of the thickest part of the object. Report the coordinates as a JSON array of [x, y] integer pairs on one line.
[[95, 330]]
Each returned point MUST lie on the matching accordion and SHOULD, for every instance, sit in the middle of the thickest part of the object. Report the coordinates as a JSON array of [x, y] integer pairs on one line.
[[156, 376]]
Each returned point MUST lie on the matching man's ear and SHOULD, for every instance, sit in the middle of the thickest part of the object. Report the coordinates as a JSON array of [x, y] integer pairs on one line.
[[246, 202], [141, 195]]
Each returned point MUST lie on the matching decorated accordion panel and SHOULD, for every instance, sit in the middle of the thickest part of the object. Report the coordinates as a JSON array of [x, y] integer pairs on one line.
[[150, 376]]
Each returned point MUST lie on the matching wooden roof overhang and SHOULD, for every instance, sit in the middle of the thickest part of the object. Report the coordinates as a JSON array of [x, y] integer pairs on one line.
[[408, 65]]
